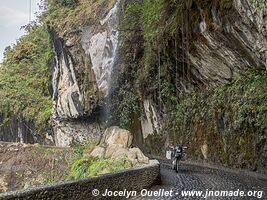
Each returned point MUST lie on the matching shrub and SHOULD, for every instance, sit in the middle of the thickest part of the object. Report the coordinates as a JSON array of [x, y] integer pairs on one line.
[[88, 166], [66, 15], [24, 77]]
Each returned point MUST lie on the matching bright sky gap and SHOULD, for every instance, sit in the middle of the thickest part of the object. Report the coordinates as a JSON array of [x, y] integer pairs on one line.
[[14, 15]]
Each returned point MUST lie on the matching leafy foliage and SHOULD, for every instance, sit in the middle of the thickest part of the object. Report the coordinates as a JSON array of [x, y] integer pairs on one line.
[[79, 168], [244, 99], [125, 105], [151, 18], [24, 77]]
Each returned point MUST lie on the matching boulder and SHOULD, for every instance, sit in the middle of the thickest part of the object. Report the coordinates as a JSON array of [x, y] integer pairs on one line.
[[120, 153], [136, 155], [115, 143], [98, 152], [115, 136], [110, 151]]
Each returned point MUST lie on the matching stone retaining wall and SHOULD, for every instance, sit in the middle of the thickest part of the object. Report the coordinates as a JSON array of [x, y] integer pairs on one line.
[[131, 180]]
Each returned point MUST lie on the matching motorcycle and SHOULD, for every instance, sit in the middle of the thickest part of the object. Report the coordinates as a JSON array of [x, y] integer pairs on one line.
[[176, 154]]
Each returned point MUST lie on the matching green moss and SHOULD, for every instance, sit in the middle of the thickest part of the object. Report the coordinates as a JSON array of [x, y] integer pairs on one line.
[[151, 17]]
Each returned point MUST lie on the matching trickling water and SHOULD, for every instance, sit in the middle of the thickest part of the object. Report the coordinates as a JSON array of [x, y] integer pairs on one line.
[[100, 42], [102, 48]]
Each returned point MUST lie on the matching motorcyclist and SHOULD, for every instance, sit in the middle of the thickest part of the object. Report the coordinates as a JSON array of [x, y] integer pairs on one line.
[[176, 153]]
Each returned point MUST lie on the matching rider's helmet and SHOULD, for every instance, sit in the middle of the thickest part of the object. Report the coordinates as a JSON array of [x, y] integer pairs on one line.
[[179, 148]]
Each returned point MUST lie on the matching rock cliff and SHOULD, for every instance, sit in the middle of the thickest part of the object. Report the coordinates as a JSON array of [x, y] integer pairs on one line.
[[173, 52], [81, 73], [169, 71], [238, 40], [199, 46], [135, 77]]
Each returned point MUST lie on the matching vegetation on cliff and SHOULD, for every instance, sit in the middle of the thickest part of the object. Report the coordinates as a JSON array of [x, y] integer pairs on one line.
[[228, 119], [24, 77], [260, 4], [25, 71], [68, 15], [155, 54]]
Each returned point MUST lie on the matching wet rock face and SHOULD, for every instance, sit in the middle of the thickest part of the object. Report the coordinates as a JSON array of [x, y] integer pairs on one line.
[[81, 73], [15, 130], [238, 41], [75, 93], [100, 44]]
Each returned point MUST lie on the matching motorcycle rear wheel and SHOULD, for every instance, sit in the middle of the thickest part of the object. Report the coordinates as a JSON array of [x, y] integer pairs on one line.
[[176, 165]]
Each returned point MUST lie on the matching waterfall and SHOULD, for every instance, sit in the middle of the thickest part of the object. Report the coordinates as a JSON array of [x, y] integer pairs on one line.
[[100, 42], [101, 46]]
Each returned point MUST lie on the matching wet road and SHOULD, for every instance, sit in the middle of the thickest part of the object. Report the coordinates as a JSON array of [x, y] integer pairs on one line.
[[220, 184]]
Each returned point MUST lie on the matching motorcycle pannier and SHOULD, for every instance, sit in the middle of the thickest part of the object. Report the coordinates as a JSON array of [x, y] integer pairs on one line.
[[169, 154]]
